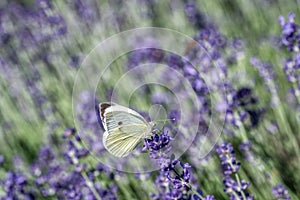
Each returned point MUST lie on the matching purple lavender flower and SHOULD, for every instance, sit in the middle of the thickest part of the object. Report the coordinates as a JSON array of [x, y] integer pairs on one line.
[[209, 197], [175, 178], [87, 112], [230, 166], [195, 17], [172, 183], [16, 187], [74, 61], [1, 159], [229, 163], [241, 107], [250, 156], [292, 71], [70, 178], [158, 144], [86, 11], [266, 71], [245, 148], [280, 192], [290, 33], [290, 38]]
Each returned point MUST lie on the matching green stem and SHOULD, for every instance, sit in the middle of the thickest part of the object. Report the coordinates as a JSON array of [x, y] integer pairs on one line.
[[88, 182], [189, 185], [243, 133], [297, 94], [285, 127], [237, 179], [91, 186], [239, 182]]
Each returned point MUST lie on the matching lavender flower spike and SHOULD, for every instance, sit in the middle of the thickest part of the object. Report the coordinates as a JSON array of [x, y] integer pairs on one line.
[[280, 192], [233, 185]]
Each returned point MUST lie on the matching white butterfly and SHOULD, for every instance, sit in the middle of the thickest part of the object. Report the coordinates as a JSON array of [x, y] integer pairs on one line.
[[124, 128]]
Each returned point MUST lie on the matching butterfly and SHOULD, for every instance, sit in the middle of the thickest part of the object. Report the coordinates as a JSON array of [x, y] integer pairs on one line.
[[124, 128]]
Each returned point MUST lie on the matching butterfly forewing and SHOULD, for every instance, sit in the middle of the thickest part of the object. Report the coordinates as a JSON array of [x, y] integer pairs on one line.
[[124, 128], [117, 119]]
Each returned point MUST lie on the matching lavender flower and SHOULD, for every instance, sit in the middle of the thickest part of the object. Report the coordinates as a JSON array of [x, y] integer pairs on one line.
[[16, 186], [251, 157], [53, 177], [158, 145], [195, 17], [175, 178], [245, 148], [1, 159], [292, 72], [241, 107], [230, 166], [280, 192], [235, 189], [290, 33], [229, 163], [174, 184], [266, 71], [86, 11]]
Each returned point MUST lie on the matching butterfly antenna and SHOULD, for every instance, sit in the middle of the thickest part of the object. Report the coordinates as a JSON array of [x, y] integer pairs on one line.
[[164, 120]]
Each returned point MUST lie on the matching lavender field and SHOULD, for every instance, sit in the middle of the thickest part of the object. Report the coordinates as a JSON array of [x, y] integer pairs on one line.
[[219, 79]]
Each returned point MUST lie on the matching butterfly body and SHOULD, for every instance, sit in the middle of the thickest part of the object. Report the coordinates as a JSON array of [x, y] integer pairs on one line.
[[124, 128]]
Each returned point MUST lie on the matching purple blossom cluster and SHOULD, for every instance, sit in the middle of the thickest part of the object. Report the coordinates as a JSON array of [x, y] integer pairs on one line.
[[241, 107], [292, 71], [158, 145], [195, 16], [245, 147], [290, 34], [50, 176], [280, 192], [30, 34], [229, 163], [16, 187], [235, 187], [173, 186], [290, 38], [175, 179], [32, 39], [266, 71]]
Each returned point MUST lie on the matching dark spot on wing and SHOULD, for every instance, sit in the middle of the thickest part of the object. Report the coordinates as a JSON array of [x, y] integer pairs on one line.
[[120, 123], [103, 107]]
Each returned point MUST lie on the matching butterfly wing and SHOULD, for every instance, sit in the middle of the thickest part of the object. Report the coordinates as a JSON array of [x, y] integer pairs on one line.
[[124, 128], [121, 141], [114, 115]]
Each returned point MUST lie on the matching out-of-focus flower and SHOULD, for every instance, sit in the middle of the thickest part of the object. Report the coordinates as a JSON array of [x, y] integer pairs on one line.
[[1, 159], [16, 187], [290, 33], [291, 39], [195, 17], [87, 12], [292, 71], [266, 71], [54, 177], [280, 192]]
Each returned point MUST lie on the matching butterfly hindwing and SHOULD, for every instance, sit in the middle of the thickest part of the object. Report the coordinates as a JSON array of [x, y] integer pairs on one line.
[[120, 143]]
